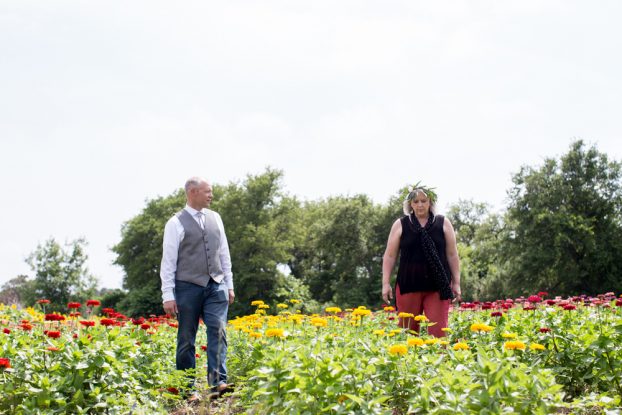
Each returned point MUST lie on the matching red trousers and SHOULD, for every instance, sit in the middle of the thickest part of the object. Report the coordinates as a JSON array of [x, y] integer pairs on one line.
[[423, 302]]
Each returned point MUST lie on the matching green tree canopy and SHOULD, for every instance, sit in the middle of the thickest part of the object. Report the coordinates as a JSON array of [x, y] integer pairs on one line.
[[61, 275], [564, 225]]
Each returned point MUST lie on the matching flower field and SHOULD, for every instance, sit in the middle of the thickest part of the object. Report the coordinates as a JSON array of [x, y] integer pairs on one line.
[[534, 355]]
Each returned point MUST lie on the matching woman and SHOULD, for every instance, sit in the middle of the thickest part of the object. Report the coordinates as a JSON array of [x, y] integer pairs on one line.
[[428, 277]]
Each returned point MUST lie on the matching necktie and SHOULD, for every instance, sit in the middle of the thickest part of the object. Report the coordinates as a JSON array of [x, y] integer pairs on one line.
[[201, 220]]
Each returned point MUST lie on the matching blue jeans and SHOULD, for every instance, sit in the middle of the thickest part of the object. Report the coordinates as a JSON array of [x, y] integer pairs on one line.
[[210, 303]]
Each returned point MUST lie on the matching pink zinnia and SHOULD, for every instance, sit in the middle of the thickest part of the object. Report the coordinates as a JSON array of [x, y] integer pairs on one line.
[[534, 299]]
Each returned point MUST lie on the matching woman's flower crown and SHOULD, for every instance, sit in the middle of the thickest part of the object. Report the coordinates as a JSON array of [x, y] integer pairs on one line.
[[428, 191]]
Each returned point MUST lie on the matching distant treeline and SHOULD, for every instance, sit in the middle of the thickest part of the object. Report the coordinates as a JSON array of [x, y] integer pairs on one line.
[[561, 232]]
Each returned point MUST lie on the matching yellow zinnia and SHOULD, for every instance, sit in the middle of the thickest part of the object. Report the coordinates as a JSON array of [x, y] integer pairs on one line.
[[281, 305], [514, 345], [257, 302], [398, 349], [379, 332], [461, 346], [480, 327], [333, 310], [421, 317], [361, 312], [415, 341], [508, 335], [319, 322], [536, 346], [402, 314], [274, 333]]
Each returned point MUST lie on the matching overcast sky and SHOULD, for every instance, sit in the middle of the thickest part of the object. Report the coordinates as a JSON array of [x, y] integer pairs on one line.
[[104, 105]]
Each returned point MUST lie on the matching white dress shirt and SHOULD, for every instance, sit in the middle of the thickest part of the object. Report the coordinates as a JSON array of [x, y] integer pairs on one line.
[[173, 235]]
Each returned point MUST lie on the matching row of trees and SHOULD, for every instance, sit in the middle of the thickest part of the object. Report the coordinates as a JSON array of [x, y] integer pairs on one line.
[[561, 232]]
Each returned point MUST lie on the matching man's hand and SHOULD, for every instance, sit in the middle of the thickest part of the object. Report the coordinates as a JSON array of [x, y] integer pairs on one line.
[[231, 296], [170, 307]]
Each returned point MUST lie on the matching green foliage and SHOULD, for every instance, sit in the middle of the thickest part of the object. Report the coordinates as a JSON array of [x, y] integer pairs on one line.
[[19, 290], [60, 273], [112, 298], [564, 229], [139, 253], [259, 222], [86, 370], [313, 370], [340, 257]]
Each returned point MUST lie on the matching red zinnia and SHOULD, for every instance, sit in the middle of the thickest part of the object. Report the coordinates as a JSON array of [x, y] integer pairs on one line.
[[145, 326], [43, 301], [26, 326], [570, 307], [53, 334], [87, 323], [54, 317], [138, 321], [76, 314], [534, 299], [203, 347], [543, 294], [92, 303], [6, 331], [5, 363], [106, 322], [619, 302], [108, 310], [53, 349], [496, 314], [74, 305], [174, 325], [544, 329]]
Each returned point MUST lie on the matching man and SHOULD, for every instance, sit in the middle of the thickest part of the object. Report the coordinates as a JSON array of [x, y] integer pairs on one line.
[[197, 282]]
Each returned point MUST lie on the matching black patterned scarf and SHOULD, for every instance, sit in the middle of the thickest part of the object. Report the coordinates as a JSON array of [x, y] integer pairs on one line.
[[431, 255]]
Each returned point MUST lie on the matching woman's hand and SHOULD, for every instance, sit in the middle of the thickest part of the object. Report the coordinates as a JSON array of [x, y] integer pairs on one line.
[[387, 293], [455, 288]]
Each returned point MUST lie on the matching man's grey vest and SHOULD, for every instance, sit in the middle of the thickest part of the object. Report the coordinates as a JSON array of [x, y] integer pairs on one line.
[[199, 251]]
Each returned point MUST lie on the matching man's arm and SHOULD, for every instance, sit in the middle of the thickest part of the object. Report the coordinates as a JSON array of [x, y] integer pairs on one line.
[[225, 258], [168, 267]]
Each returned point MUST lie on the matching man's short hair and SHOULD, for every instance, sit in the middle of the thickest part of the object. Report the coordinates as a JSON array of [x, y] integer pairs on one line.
[[192, 183]]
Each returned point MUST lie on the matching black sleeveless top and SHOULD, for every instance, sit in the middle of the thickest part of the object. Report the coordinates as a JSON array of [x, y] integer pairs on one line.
[[413, 273]]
